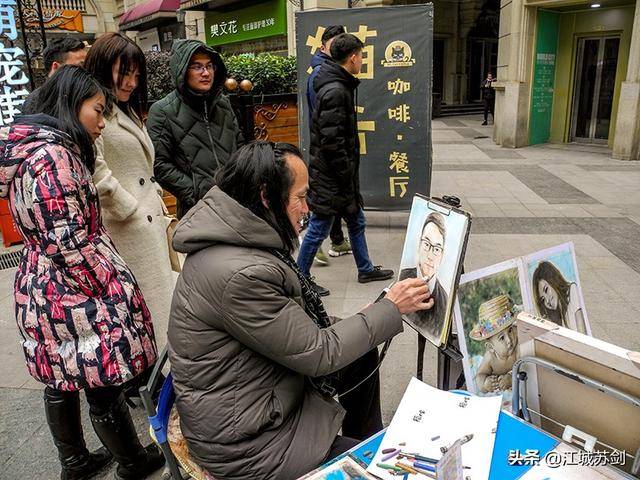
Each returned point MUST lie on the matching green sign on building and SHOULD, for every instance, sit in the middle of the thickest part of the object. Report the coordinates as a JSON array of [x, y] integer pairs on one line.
[[259, 20], [543, 77]]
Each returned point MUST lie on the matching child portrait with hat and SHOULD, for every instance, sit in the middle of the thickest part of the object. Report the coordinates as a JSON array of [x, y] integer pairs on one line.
[[496, 329]]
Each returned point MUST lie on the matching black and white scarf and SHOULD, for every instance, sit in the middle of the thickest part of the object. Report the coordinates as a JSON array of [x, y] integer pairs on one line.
[[315, 309]]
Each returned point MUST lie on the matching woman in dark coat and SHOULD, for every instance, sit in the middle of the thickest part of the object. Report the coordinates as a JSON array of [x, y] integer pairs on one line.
[[83, 320]]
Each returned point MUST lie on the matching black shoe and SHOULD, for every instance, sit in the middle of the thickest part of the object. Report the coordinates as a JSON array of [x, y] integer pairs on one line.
[[319, 289], [378, 273], [150, 461], [116, 431], [484, 123], [62, 410], [94, 463]]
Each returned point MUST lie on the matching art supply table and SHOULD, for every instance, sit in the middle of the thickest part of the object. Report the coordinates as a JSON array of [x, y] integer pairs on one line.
[[513, 435]]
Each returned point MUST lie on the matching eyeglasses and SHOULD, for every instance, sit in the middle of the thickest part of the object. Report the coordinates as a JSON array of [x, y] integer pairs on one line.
[[199, 68], [427, 246]]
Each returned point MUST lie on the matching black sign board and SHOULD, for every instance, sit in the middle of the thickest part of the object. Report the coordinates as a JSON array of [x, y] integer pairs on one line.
[[393, 100]]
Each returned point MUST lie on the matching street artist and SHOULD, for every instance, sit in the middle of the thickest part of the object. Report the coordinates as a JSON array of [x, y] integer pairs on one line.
[[255, 357]]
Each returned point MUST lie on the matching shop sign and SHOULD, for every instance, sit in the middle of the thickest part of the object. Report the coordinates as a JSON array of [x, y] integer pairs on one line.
[[544, 71], [394, 96], [260, 20], [70, 20], [13, 79]]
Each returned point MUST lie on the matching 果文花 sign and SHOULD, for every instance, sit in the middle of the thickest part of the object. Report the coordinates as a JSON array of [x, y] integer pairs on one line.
[[260, 20]]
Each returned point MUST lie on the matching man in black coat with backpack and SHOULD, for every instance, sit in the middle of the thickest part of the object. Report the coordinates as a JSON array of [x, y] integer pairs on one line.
[[334, 185], [339, 244]]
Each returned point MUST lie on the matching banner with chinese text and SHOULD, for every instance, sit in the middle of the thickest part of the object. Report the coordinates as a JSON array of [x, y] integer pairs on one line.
[[13, 79], [393, 99]]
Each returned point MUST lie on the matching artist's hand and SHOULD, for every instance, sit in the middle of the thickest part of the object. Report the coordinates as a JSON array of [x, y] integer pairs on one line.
[[410, 295]]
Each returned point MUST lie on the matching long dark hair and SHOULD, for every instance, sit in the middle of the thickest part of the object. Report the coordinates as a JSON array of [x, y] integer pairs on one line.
[[62, 96], [99, 62], [262, 166], [548, 272]]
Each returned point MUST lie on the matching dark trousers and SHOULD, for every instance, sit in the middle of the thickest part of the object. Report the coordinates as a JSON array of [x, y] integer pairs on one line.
[[489, 104], [336, 235], [99, 399], [363, 416], [341, 445]]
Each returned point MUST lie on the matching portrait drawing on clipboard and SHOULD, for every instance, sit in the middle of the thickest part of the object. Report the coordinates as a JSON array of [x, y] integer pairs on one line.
[[433, 250]]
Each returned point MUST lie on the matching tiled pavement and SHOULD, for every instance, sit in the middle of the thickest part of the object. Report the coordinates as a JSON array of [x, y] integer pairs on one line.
[[522, 200]]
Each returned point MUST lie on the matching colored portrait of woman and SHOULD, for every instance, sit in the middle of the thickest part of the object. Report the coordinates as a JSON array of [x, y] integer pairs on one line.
[[557, 299]]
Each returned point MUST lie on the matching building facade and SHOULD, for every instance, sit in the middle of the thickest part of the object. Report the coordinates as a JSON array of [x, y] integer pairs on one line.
[[465, 42], [84, 19], [152, 24], [465, 34], [465, 45], [569, 73]]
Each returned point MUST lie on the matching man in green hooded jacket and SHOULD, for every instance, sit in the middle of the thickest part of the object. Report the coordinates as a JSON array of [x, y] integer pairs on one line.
[[194, 129]]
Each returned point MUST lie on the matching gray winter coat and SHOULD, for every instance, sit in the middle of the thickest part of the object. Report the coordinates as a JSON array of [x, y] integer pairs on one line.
[[241, 346]]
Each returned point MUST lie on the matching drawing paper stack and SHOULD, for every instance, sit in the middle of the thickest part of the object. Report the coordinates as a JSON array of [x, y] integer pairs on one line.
[[427, 423]]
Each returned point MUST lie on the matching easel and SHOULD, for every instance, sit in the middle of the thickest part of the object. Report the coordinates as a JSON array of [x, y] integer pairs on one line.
[[449, 355], [449, 363]]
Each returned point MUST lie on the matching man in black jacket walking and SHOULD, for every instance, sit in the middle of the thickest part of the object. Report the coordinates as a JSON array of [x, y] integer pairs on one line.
[[339, 244], [193, 129], [334, 185]]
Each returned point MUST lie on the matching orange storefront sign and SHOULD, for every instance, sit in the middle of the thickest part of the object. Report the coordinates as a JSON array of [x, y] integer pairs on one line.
[[70, 20]]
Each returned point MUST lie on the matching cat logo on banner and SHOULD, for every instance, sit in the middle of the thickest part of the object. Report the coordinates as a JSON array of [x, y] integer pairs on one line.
[[398, 54], [70, 20]]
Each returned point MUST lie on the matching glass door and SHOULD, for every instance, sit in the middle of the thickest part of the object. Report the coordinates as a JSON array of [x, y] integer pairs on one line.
[[482, 59], [596, 63]]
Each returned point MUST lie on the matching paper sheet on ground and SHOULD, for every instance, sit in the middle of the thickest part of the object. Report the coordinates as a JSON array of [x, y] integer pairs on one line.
[[428, 418]]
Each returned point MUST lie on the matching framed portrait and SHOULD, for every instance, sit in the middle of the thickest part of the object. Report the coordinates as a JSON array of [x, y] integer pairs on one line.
[[434, 249], [553, 285], [487, 303]]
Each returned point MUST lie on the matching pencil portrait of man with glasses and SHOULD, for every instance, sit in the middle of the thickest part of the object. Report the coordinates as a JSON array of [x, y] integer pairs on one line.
[[430, 323]]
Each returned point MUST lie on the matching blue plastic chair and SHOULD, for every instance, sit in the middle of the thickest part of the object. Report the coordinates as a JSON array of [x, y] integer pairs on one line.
[[159, 414]]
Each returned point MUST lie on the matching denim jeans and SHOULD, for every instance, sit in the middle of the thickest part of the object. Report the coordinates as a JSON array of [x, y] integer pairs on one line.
[[318, 231]]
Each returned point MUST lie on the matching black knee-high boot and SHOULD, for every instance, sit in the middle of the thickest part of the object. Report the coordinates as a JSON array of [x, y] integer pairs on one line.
[[114, 426], [63, 416]]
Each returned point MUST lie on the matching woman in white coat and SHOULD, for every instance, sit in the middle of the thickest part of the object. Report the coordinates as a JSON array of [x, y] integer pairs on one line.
[[130, 198]]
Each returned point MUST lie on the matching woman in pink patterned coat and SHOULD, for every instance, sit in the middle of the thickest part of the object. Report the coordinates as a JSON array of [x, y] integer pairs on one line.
[[83, 320]]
